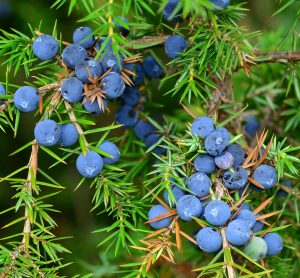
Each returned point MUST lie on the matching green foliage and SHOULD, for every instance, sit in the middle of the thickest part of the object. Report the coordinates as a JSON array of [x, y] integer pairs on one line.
[[227, 72]]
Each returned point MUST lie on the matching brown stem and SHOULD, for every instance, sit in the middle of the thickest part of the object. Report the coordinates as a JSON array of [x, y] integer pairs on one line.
[[222, 94], [146, 40], [73, 119], [32, 165], [272, 57], [50, 87]]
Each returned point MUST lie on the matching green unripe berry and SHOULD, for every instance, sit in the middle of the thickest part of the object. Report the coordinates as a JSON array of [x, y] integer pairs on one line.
[[256, 248]]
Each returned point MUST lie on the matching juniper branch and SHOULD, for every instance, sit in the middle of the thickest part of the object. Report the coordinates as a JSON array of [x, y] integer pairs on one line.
[[32, 170]]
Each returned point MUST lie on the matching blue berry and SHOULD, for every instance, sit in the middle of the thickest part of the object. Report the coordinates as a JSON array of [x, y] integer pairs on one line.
[[123, 30], [168, 10], [188, 206], [47, 133], [127, 116], [131, 96], [153, 139], [88, 67], [286, 183], [2, 92], [156, 211], [274, 243], [238, 232], [68, 135], [142, 129], [247, 216], [112, 149], [26, 99], [237, 153], [224, 161], [5, 9], [175, 45], [83, 36], [205, 163], [258, 226], [177, 193], [217, 213], [265, 175], [113, 85], [256, 248], [202, 126], [236, 178], [89, 166], [72, 90], [94, 107], [72, 54], [137, 73], [140, 75], [152, 68], [221, 4], [217, 141], [199, 184], [209, 240], [106, 43], [245, 205], [251, 125], [110, 61], [45, 47]]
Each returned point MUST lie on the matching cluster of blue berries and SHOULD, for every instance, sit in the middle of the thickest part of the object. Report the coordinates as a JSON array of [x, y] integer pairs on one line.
[[221, 164]]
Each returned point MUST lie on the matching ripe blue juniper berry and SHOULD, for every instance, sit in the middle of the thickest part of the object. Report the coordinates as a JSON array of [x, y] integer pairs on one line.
[[68, 135], [237, 153], [209, 240], [47, 133], [246, 215], [188, 206], [169, 11], [175, 45], [113, 85], [89, 165], [84, 37], [88, 68], [224, 161], [72, 90], [266, 175], [251, 125], [94, 108], [205, 163], [238, 232], [258, 225], [177, 193], [45, 47], [72, 54], [122, 29], [274, 243], [152, 68], [157, 211], [26, 99], [110, 61], [217, 213], [199, 184], [111, 149]]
